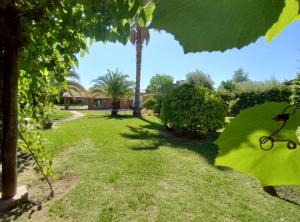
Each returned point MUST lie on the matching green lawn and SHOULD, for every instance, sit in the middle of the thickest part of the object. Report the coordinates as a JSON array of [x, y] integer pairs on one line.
[[59, 113], [128, 171]]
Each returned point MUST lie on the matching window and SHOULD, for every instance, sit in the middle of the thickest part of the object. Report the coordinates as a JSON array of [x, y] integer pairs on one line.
[[98, 102]]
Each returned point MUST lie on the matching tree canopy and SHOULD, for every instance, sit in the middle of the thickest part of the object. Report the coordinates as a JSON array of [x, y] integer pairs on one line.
[[114, 84], [240, 76], [160, 84], [199, 77]]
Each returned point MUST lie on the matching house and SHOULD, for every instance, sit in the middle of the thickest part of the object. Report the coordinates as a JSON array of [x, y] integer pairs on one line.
[[94, 102]]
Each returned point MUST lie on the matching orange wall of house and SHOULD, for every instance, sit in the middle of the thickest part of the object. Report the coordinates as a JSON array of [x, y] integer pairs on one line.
[[107, 104]]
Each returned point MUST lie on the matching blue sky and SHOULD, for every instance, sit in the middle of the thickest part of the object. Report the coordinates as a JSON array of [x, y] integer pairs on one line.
[[277, 59]]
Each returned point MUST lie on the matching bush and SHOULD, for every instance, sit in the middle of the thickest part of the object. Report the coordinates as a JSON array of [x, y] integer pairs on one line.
[[149, 103], [295, 90], [194, 109], [158, 104], [243, 100]]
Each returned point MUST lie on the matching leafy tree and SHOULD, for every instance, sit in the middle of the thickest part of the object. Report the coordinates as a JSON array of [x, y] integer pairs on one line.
[[160, 84], [114, 84], [199, 77], [227, 85], [240, 76]]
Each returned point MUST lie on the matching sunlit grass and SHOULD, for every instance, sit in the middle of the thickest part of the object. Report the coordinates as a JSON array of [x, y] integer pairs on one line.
[[129, 170], [59, 113]]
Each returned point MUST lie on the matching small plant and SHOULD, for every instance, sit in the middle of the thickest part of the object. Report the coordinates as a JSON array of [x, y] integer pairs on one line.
[[48, 118]]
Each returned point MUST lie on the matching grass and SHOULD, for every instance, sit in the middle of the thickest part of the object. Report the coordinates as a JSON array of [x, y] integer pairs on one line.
[[59, 113], [130, 170]]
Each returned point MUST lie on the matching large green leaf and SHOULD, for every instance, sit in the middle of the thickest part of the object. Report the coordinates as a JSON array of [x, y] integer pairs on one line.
[[239, 146], [216, 25], [289, 14]]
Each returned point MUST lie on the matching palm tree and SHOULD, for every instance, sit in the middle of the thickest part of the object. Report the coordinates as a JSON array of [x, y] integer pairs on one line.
[[73, 85], [114, 84], [139, 35]]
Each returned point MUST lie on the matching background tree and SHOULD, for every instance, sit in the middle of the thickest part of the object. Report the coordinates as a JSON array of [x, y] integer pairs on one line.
[[199, 77], [139, 35], [227, 85], [114, 84], [240, 76], [160, 84]]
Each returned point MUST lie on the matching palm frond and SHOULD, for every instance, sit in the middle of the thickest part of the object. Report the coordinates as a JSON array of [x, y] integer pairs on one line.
[[75, 86], [114, 84], [72, 75]]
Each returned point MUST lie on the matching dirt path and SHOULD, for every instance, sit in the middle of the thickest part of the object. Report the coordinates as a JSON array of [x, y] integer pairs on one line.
[[76, 115]]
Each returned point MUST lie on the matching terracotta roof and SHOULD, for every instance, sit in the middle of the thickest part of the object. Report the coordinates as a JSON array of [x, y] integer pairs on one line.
[[84, 95], [147, 94], [76, 94]]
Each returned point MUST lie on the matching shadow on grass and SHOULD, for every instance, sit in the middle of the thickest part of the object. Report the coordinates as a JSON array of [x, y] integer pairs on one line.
[[154, 140], [109, 116], [289, 201], [120, 117], [22, 208]]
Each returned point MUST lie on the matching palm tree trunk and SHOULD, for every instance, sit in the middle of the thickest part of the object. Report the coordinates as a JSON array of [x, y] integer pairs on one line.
[[114, 111], [139, 48]]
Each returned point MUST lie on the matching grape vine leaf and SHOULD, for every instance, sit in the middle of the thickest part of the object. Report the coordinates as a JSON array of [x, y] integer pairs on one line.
[[239, 146], [289, 14], [216, 25]]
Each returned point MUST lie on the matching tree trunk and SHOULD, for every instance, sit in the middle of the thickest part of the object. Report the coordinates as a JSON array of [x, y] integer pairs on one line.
[[139, 48], [115, 107]]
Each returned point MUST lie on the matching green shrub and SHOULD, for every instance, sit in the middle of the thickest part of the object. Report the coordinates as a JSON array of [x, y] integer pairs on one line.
[[243, 100], [257, 86], [194, 109], [295, 90], [149, 103], [158, 104]]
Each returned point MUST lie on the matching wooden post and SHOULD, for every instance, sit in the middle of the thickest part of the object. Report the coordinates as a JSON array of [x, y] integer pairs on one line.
[[10, 122], [12, 44]]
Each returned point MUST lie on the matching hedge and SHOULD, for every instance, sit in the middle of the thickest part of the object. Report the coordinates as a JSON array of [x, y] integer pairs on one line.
[[238, 101]]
